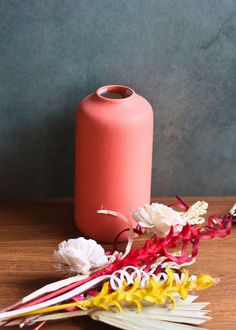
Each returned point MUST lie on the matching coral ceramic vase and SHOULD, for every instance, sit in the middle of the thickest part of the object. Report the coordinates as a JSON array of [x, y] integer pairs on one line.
[[114, 134]]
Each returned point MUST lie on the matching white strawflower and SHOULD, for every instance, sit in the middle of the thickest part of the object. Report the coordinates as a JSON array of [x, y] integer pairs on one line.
[[158, 218], [79, 255]]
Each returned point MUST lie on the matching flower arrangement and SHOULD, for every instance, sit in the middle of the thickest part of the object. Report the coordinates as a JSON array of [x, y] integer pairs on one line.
[[147, 284]]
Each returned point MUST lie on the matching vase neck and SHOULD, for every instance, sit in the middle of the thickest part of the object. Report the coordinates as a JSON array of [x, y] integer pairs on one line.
[[115, 93]]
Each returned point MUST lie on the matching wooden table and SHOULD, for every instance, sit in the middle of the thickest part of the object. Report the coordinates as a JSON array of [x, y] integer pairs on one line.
[[31, 230]]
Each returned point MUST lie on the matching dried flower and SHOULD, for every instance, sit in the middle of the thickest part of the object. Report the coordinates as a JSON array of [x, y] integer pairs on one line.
[[194, 214], [79, 255], [158, 218], [154, 292]]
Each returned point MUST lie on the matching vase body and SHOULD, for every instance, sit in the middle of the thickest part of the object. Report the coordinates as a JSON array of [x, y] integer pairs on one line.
[[114, 137]]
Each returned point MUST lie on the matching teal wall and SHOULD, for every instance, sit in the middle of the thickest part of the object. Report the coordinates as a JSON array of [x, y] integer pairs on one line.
[[179, 54]]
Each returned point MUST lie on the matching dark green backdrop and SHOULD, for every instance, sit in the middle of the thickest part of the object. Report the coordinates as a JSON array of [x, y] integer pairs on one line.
[[179, 54]]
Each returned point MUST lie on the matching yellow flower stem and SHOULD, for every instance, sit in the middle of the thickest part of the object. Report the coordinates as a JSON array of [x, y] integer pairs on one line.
[[48, 309]]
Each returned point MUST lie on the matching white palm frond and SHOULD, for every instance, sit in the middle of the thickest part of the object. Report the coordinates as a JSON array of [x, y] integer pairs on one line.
[[186, 316]]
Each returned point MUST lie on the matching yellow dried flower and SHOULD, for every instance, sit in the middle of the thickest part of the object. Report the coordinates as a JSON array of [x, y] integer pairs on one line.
[[154, 293]]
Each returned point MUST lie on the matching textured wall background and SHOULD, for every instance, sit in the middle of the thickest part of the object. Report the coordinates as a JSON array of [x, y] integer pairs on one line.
[[179, 54]]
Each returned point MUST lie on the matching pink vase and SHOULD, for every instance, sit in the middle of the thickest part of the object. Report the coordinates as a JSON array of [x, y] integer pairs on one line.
[[114, 135]]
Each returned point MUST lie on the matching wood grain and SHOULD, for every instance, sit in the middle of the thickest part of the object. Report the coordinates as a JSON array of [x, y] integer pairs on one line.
[[31, 230]]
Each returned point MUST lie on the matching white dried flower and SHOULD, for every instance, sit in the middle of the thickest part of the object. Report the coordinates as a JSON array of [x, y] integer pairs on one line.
[[194, 214], [79, 255], [158, 218]]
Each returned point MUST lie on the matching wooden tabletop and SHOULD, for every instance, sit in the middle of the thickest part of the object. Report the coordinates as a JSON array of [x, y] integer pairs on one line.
[[31, 230]]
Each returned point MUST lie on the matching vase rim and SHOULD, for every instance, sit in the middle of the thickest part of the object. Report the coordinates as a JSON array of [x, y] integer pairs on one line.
[[115, 93]]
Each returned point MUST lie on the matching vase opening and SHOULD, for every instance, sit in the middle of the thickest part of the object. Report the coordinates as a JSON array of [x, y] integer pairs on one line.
[[114, 92]]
